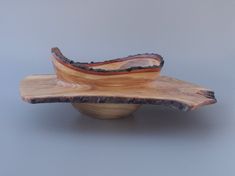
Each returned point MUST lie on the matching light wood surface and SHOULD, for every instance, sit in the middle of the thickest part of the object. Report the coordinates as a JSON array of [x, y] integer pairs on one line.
[[163, 91]]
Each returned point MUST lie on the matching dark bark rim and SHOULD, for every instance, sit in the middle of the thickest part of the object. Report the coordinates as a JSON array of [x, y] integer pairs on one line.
[[57, 54]]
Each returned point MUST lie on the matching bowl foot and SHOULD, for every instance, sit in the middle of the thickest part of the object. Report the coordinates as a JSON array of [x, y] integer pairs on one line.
[[106, 110]]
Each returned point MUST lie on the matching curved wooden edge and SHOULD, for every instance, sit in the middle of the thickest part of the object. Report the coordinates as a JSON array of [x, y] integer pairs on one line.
[[44, 89], [117, 100], [86, 67]]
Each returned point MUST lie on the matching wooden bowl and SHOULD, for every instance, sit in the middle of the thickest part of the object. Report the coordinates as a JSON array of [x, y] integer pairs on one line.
[[129, 71], [115, 88]]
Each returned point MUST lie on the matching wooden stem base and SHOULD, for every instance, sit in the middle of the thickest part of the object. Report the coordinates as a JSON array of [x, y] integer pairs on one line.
[[106, 110]]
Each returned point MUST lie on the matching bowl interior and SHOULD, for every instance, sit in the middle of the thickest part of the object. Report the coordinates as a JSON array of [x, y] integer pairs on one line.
[[126, 64]]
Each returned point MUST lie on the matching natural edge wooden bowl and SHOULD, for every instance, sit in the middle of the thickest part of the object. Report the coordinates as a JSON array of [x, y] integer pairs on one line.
[[114, 88]]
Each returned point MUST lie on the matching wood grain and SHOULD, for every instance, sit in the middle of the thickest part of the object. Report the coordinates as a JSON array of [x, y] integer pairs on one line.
[[162, 91], [135, 69]]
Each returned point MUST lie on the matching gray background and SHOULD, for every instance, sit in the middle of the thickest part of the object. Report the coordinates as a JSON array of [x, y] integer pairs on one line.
[[197, 41]]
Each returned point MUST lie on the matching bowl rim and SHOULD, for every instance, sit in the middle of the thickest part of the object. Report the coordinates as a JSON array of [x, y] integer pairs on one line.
[[86, 66]]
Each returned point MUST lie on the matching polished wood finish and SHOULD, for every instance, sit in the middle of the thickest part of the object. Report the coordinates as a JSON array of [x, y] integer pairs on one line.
[[113, 88], [163, 91], [136, 69]]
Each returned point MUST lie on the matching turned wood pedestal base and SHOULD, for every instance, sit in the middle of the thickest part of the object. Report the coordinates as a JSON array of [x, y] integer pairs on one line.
[[106, 110]]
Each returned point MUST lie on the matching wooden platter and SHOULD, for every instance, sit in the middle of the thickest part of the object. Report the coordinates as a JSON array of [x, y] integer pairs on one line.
[[163, 91]]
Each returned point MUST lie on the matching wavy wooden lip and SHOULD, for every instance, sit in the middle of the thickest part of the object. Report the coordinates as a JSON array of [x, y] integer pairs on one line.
[[90, 67]]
